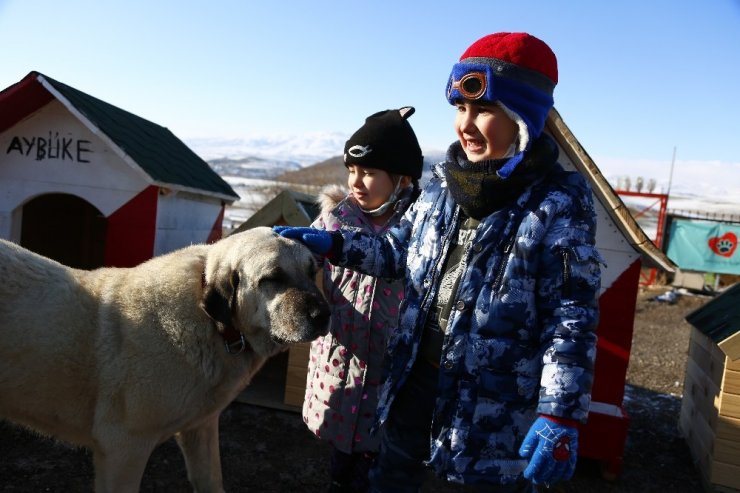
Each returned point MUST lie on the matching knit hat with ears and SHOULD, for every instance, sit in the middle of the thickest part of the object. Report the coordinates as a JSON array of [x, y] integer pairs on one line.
[[515, 70], [386, 141]]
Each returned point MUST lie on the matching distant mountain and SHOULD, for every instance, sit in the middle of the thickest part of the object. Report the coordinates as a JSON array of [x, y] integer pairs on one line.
[[332, 170], [269, 157], [258, 169], [304, 149], [252, 167]]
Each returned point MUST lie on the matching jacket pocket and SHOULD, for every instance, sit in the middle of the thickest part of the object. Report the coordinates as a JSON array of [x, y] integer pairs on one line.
[[580, 267], [498, 396]]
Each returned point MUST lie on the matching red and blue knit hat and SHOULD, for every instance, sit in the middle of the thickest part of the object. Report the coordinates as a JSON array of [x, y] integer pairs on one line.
[[516, 70]]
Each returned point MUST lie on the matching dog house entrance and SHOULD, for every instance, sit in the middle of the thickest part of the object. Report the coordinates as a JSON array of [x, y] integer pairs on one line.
[[65, 228]]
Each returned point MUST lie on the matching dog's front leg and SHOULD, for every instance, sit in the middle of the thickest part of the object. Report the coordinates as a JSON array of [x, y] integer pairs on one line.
[[202, 458], [120, 466]]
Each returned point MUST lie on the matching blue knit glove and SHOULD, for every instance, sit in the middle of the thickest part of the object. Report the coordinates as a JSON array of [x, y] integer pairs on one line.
[[317, 240], [552, 450]]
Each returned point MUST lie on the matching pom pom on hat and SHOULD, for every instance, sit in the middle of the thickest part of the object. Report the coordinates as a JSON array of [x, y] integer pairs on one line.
[[386, 141], [517, 71]]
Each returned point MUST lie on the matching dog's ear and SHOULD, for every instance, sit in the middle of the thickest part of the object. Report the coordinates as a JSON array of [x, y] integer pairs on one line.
[[219, 301]]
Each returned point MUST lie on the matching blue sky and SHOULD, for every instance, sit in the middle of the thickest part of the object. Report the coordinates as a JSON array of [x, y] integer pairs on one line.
[[636, 77]]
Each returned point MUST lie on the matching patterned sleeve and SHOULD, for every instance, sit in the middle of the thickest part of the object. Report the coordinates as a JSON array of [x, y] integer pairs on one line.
[[381, 256], [568, 307]]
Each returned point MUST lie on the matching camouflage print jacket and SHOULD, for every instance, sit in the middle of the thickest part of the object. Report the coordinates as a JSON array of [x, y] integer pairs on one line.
[[520, 339]]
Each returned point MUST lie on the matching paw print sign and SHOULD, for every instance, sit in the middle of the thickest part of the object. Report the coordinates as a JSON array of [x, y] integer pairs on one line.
[[724, 245]]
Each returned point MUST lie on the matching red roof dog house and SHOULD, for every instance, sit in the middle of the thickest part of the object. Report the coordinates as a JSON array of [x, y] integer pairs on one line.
[[90, 185]]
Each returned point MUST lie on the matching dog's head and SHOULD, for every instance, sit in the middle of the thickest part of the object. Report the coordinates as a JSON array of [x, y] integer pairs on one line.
[[264, 286]]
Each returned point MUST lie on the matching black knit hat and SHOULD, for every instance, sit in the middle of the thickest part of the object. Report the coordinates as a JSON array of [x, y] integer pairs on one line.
[[386, 141]]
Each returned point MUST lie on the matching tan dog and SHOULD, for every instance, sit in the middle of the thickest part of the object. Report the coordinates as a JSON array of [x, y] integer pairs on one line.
[[120, 360]]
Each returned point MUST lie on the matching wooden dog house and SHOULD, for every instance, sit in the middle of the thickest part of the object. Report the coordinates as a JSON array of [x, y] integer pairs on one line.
[[90, 184], [710, 410], [625, 247]]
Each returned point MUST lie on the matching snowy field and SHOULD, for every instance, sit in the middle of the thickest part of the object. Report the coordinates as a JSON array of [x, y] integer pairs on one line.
[[709, 186]]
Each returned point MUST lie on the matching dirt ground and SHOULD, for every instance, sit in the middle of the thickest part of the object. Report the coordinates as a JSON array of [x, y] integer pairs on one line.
[[270, 451]]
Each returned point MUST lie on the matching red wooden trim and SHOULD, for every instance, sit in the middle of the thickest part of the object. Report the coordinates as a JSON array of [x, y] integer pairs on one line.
[[616, 323], [217, 228], [131, 230], [21, 99], [603, 436]]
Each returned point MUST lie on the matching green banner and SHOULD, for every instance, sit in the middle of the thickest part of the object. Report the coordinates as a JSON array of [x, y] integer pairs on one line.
[[704, 246]]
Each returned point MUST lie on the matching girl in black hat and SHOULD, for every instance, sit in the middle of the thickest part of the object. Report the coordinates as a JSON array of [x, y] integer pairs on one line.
[[384, 162]]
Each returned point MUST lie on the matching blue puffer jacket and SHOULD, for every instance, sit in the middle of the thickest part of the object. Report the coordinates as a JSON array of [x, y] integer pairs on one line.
[[520, 339]]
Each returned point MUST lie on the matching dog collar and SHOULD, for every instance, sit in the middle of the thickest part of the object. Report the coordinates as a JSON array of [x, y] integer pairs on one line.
[[234, 341]]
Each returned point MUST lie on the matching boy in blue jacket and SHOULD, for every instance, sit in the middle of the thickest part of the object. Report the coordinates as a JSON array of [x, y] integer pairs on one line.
[[490, 370]]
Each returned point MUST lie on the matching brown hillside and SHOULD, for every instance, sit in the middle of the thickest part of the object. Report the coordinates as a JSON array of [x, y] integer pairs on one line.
[[325, 172]]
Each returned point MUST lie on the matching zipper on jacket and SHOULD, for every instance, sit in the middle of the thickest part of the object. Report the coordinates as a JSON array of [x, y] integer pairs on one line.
[[565, 254], [504, 262]]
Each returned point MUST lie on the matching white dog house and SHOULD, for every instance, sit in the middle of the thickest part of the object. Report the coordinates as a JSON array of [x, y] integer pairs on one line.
[[89, 184]]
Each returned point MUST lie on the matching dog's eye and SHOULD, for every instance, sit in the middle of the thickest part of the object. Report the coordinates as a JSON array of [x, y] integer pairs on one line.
[[268, 279], [274, 277]]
